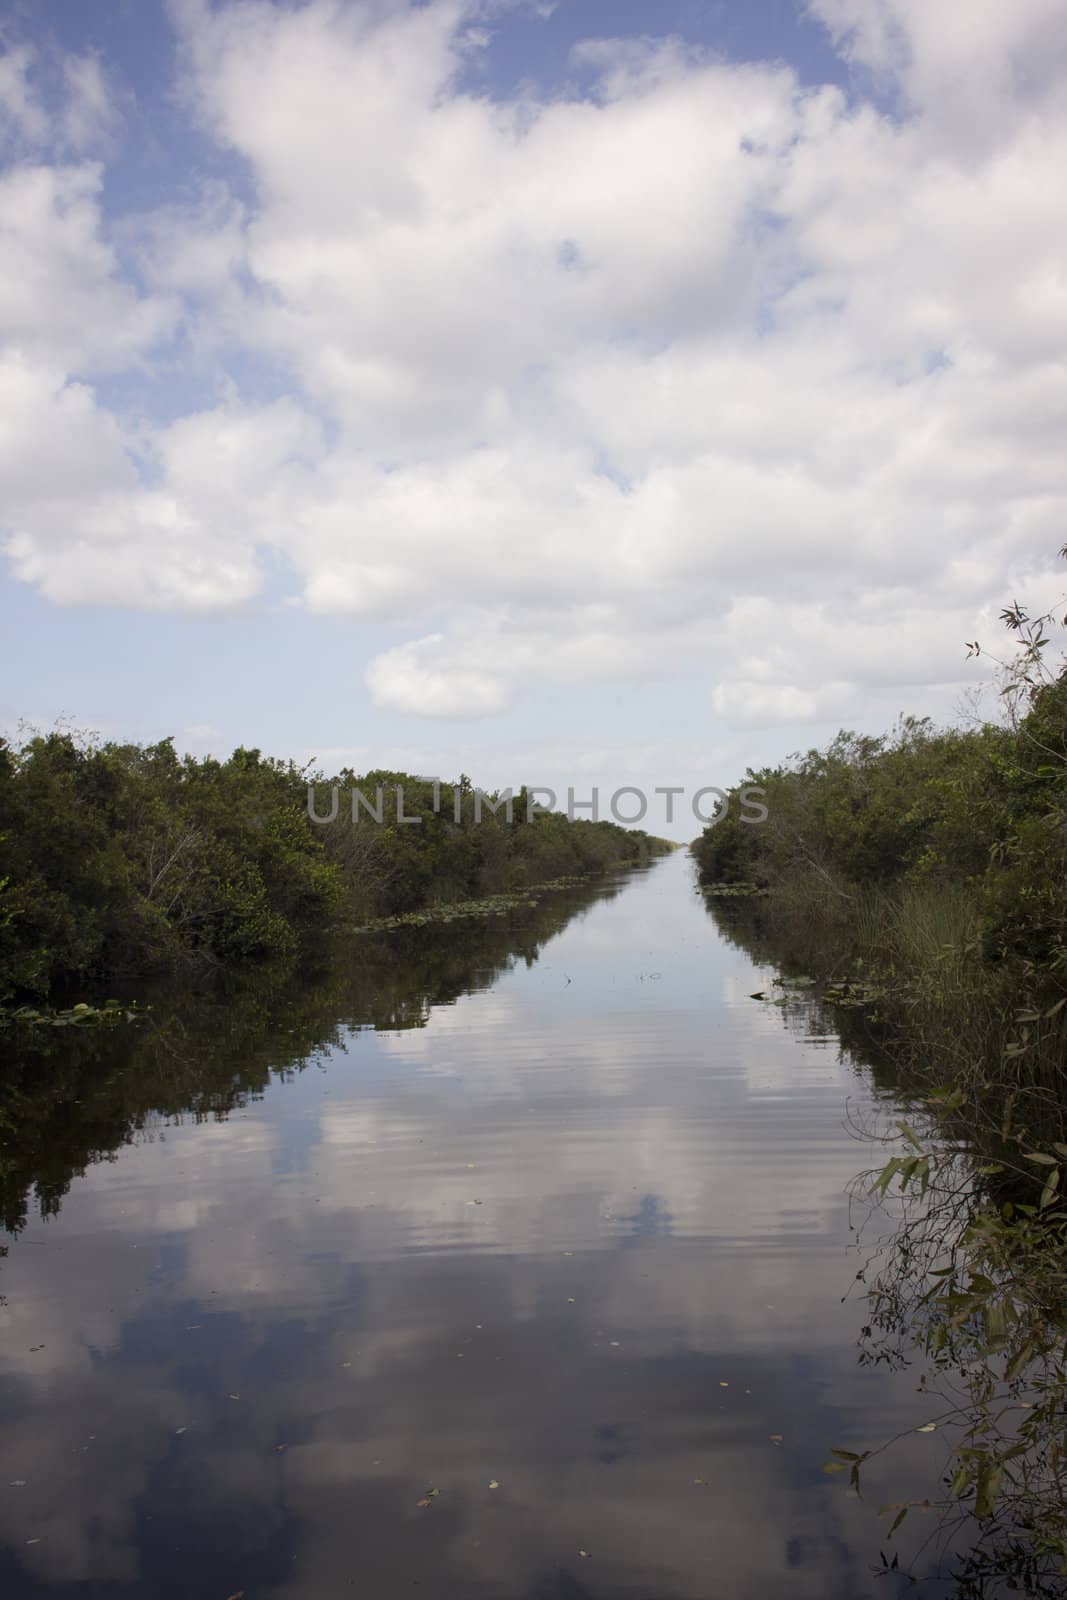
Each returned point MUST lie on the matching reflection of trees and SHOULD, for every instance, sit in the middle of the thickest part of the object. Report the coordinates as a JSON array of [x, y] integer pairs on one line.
[[968, 1282], [71, 1097], [971, 1283], [796, 951]]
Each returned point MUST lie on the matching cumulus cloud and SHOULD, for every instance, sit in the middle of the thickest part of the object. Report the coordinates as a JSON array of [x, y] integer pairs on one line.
[[696, 366]]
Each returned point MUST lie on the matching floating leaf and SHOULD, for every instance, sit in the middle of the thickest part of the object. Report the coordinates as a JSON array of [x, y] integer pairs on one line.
[[776, 1438], [493, 1484], [585, 1554], [423, 1503]]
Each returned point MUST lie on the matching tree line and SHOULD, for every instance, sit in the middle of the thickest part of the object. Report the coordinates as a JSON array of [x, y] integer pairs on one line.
[[124, 858]]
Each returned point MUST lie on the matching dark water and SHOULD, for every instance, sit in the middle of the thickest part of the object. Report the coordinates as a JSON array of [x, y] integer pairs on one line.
[[548, 1203]]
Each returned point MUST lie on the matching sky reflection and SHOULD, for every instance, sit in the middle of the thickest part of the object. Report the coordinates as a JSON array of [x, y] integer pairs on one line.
[[584, 1235]]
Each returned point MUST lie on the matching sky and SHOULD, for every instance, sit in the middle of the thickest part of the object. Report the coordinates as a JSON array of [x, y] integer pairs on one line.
[[593, 393]]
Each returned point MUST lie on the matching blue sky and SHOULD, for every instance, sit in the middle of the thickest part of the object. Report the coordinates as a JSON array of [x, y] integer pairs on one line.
[[598, 392]]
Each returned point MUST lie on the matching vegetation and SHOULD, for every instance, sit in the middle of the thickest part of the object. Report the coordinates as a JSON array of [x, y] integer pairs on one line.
[[922, 879], [124, 858]]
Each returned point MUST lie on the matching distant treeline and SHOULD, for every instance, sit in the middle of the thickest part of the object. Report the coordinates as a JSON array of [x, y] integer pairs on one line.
[[123, 858]]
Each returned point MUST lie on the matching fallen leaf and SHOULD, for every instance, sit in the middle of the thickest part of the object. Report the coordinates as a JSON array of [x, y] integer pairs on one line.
[[585, 1554], [493, 1484], [927, 1427], [422, 1503], [723, 1385], [433, 1493]]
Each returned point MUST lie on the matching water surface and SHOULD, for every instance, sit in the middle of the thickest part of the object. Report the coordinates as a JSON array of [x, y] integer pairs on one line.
[[548, 1204]]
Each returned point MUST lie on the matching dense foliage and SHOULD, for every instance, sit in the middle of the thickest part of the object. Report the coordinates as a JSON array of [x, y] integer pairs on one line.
[[985, 807], [121, 857]]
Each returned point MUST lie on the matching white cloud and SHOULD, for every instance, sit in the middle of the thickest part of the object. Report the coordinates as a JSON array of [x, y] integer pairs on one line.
[[89, 530], [406, 679], [62, 299], [703, 367], [22, 117], [84, 112], [89, 108]]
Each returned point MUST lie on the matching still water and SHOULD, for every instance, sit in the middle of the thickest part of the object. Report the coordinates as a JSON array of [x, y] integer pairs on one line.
[[544, 1214]]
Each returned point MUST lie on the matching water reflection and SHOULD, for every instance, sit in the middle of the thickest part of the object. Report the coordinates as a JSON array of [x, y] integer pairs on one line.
[[548, 1204], [70, 1098]]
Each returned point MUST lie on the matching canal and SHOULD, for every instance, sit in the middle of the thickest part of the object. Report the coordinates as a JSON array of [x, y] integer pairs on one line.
[[505, 1260]]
